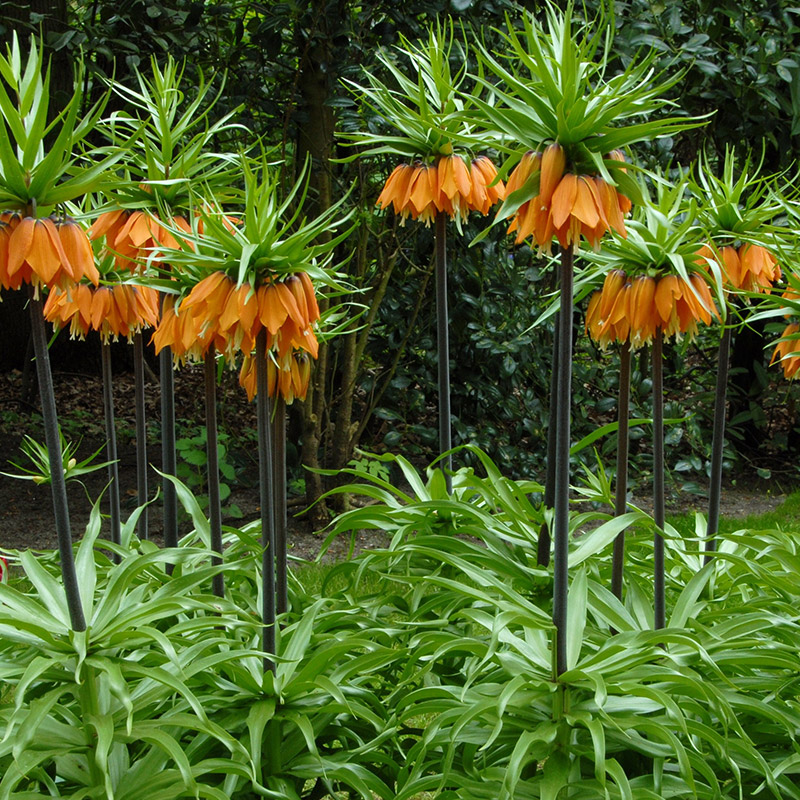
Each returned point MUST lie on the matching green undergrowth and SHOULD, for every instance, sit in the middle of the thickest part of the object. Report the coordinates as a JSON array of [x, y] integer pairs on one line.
[[421, 670]]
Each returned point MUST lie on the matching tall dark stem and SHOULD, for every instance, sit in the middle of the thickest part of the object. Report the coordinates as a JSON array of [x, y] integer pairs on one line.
[[543, 545], [266, 488], [561, 500], [111, 444], [659, 600], [168, 454], [141, 433], [621, 488], [212, 444], [718, 442], [26, 385], [279, 501], [443, 348], [55, 457]]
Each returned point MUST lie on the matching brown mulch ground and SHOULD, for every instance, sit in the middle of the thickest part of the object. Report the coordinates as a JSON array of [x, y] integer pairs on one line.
[[26, 513]]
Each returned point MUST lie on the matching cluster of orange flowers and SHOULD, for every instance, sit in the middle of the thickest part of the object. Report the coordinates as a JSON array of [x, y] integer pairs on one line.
[[58, 253], [750, 267], [52, 251], [114, 311], [421, 191], [567, 206], [131, 235], [635, 309], [218, 312], [289, 376], [787, 352]]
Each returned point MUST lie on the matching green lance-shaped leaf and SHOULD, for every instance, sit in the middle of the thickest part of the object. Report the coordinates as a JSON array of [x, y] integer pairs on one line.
[[271, 239], [426, 103], [172, 162], [32, 173]]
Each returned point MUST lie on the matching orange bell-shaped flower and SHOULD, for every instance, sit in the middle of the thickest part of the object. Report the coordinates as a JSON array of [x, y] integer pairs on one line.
[[787, 352], [37, 251]]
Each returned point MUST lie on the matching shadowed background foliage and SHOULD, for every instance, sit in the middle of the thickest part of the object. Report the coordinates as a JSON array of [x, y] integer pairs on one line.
[[283, 65]]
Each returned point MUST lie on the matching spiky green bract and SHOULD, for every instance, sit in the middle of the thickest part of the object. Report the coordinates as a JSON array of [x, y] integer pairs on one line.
[[550, 83], [32, 173], [38, 470], [269, 238], [174, 160], [427, 107], [741, 204], [705, 708]]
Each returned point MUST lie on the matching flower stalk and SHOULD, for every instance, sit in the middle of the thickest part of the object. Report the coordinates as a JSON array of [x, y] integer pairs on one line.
[[111, 444], [659, 598], [561, 499], [212, 453], [443, 350], [267, 493], [718, 441], [279, 502], [141, 434], [168, 453], [621, 487], [58, 484], [545, 540]]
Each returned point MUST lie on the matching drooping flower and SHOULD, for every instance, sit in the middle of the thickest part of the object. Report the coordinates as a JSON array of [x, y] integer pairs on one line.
[[486, 188], [288, 377], [635, 309], [180, 332], [749, 267], [113, 310], [787, 351], [449, 186], [133, 235], [567, 205], [49, 251]]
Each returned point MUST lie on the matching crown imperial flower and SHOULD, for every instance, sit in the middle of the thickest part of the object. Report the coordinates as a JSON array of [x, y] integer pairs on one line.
[[49, 251], [635, 309], [450, 186]]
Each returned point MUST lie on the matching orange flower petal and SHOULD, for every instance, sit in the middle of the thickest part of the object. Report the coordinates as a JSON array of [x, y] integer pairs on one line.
[[420, 196], [586, 205], [19, 244], [563, 199], [290, 304], [668, 290], [731, 266], [271, 312], [78, 249], [554, 162], [311, 297], [641, 303]]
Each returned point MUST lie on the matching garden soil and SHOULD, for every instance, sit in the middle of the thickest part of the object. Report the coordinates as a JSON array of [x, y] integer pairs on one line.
[[26, 512]]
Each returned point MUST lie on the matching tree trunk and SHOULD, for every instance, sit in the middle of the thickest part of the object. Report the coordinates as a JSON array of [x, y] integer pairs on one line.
[[316, 142]]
